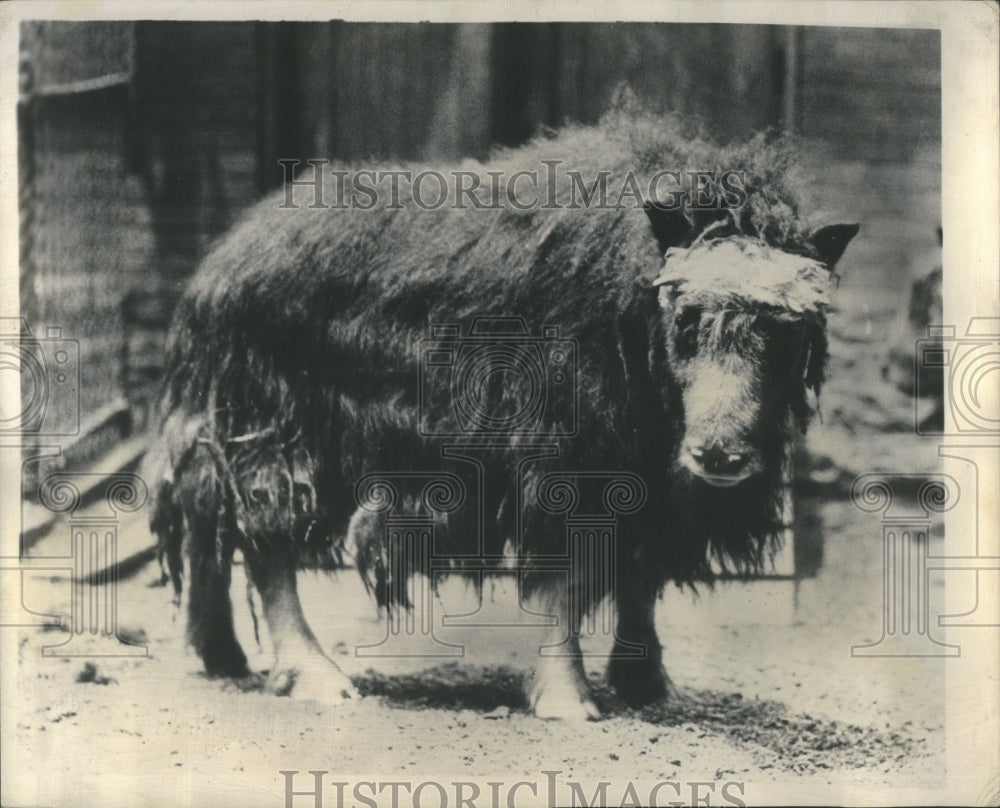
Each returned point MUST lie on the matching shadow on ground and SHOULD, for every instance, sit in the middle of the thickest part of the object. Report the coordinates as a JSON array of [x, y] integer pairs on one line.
[[801, 742]]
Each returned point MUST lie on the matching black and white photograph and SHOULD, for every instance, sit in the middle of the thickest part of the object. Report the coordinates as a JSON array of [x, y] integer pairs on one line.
[[479, 405]]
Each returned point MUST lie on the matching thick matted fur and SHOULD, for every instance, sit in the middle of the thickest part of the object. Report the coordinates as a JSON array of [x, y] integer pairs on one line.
[[294, 361]]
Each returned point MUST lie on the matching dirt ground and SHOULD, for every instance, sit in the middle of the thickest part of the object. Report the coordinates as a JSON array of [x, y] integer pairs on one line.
[[769, 694]]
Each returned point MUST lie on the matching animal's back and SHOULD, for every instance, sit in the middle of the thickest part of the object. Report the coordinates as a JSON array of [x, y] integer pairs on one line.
[[340, 300]]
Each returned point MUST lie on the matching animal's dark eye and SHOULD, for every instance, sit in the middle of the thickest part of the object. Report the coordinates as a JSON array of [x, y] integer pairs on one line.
[[686, 331], [785, 347]]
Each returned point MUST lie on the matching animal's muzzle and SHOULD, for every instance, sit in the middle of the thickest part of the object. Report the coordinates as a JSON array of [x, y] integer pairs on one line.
[[718, 465]]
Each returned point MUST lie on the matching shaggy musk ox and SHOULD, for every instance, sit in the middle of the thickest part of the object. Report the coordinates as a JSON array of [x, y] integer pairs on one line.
[[298, 364]]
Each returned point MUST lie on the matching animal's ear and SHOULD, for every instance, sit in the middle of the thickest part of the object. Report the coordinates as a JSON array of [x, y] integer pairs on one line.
[[669, 226], [830, 241]]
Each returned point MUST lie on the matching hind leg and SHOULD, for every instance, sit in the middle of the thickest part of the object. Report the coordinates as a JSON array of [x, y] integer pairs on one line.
[[210, 613], [300, 668], [559, 687], [210, 553]]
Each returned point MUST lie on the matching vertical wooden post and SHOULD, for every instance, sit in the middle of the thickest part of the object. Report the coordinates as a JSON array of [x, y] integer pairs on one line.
[[792, 79]]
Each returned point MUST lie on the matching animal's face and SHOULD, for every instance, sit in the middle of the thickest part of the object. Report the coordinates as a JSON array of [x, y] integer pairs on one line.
[[742, 377], [745, 331]]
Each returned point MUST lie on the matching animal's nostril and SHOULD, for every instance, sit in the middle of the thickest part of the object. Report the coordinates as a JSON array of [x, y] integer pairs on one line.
[[719, 461]]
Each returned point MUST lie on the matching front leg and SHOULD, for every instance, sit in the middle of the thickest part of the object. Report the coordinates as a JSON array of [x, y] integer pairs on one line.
[[635, 669], [559, 686]]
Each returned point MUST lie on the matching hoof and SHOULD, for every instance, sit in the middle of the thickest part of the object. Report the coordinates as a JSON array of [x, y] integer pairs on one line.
[[550, 703], [560, 692], [225, 660], [639, 682], [314, 679]]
